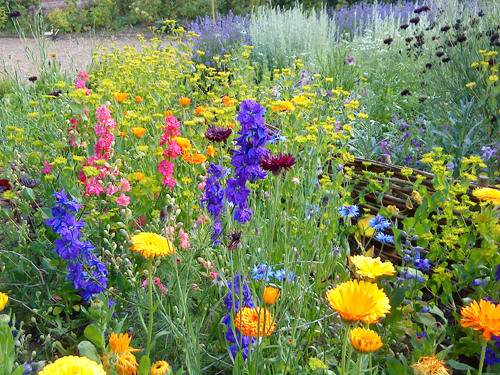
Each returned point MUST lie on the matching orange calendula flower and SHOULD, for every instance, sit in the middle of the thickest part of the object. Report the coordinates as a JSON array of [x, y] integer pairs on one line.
[[194, 158], [228, 101], [361, 300], [151, 245], [271, 294], [230, 125], [120, 96], [254, 322], [184, 101], [123, 134], [138, 132], [139, 176], [211, 151], [200, 110], [365, 340], [371, 268], [183, 143], [488, 194], [53, 54], [483, 316], [138, 99], [120, 357], [168, 113], [430, 365]]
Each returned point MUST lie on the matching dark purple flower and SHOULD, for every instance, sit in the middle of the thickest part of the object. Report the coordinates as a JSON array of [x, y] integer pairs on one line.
[[218, 134], [15, 14], [277, 163], [33, 79]]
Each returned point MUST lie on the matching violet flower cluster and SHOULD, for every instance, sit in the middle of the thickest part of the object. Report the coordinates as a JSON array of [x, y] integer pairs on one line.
[[238, 296], [251, 142], [86, 271], [213, 198]]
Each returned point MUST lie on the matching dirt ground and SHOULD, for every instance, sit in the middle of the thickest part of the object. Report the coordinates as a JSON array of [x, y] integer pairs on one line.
[[73, 52]]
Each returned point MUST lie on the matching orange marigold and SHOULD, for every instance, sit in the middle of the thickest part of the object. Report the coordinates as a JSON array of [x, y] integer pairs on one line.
[[185, 101], [138, 99], [120, 96], [254, 322], [194, 158], [138, 132], [211, 151], [120, 355], [483, 316], [168, 113]]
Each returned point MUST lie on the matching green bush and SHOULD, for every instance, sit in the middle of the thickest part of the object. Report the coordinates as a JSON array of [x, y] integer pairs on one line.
[[69, 19]]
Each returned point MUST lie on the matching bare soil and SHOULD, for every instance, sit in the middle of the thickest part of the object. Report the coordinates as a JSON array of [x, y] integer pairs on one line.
[[73, 52]]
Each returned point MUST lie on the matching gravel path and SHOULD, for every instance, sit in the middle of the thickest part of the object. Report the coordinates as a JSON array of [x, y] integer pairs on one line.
[[73, 52]]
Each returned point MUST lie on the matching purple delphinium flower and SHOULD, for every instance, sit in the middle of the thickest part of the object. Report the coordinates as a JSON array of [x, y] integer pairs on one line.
[[420, 263], [213, 199], [252, 138], [87, 273], [497, 274], [491, 358]]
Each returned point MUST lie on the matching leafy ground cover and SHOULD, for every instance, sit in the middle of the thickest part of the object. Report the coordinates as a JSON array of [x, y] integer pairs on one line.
[[172, 209]]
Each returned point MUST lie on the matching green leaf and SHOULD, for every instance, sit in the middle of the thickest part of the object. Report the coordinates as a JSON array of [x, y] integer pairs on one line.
[[57, 310], [394, 367], [19, 370], [87, 349], [144, 365], [459, 366], [94, 335], [29, 194]]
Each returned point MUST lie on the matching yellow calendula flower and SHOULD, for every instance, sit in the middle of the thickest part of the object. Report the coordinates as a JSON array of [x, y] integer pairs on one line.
[[371, 268], [356, 301], [488, 194], [73, 365], [365, 340], [271, 294], [4, 298], [281, 106], [120, 357], [151, 245], [160, 368], [183, 143], [430, 365]]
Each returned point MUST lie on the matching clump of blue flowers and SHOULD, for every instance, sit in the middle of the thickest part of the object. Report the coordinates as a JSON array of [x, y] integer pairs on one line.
[[379, 223], [263, 271], [251, 142], [86, 271], [349, 211], [238, 296]]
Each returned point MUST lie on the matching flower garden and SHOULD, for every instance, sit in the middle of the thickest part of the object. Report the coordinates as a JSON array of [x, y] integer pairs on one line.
[[289, 192]]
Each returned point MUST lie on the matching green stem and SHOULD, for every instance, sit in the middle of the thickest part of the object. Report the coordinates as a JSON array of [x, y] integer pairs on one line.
[[344, 348], [371, 365], [359, 365], [481, 361], [150, 322]]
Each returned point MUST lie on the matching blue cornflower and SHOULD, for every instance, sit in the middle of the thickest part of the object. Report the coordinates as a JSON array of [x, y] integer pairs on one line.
[[349, 211], [384, 238], [379, 223], [281, 275], [424, 310], [27, 368], [262, 271]]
